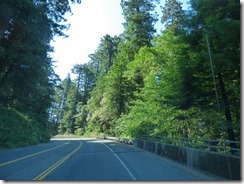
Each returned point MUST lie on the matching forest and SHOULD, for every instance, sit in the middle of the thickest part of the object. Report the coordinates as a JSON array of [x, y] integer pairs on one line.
[[183, 82]]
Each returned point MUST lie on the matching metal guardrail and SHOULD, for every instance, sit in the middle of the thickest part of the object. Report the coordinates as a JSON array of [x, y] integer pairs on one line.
[[122, 140], [117, 139], [220, 146]]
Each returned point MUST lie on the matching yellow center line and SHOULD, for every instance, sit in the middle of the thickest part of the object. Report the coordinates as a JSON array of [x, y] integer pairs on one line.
[[34, 154], [57, 164]]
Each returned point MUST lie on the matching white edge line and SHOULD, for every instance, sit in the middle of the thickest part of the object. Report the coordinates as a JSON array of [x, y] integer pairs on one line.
[[126, 168]]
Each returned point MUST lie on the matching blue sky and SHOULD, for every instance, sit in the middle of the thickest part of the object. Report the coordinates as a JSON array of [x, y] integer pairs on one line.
[[91, 20]]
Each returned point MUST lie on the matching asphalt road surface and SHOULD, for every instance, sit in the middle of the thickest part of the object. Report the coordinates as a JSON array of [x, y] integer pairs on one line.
[[90, 159]]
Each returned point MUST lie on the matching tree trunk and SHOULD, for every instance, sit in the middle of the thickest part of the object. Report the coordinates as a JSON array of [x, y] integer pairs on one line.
[[228, 117]]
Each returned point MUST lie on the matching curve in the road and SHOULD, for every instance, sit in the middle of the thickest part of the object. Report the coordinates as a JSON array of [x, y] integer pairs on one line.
[[31, 155]]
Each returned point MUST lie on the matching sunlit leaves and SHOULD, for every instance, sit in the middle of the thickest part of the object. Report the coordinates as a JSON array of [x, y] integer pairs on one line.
[[163, 85]]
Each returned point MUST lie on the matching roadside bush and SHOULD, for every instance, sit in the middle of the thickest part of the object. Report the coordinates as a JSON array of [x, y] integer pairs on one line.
[[18, 129]]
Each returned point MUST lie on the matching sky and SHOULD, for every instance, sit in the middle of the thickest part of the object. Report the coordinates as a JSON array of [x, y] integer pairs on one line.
[[91, 20]]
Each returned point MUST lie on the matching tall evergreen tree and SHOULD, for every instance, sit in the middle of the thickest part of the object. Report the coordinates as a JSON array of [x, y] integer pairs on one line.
[[98, 119], [172, 13], [139, 31], [116, 90], [66, 125], [26, 73], [213, 22], [139, 22], [59, 104]]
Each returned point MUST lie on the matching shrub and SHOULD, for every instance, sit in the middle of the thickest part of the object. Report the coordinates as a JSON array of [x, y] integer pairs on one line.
[[18, 129]]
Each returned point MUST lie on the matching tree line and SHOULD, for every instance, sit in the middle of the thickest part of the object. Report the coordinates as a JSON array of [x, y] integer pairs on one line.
[[183, 82], [27, 78]]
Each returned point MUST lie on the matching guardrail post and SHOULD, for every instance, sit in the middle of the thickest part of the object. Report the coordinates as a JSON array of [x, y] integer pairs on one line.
[[156, 147], [144, 144]]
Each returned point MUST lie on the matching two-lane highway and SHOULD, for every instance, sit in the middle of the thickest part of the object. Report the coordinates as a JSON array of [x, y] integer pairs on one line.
[[90, 159], [27, 163]]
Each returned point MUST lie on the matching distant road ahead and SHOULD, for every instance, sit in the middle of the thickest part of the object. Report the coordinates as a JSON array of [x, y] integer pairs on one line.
[[90, 159]]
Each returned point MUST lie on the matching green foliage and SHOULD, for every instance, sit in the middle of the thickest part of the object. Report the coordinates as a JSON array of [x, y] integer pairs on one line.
[[161, 91], [59, 105], [18, 129], [217, 20], [80, 119], [67, 122], [139, 18], [26, 71], [140, 83]]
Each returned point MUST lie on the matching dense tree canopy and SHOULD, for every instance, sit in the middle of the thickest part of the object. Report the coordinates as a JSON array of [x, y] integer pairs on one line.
[[183, 82], [26, 74]]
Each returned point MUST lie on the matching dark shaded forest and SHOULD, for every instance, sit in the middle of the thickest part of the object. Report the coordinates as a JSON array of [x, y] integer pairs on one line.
[[183, 82], [27, 78]]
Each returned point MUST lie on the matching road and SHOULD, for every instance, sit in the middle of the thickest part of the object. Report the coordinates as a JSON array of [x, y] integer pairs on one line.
[[90, 159]]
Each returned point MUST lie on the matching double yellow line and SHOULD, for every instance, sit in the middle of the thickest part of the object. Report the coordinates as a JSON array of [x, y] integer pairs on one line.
[[28, 156], [57, 164]]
